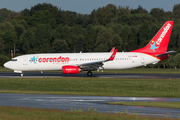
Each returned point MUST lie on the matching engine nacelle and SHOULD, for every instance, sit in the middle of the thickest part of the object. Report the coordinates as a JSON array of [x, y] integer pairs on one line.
[[70, 69]]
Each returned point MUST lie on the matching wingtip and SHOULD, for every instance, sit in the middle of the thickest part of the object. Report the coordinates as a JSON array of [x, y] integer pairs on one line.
[[112, 50]]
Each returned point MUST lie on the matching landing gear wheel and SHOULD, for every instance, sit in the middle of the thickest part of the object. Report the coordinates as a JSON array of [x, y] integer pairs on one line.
[[22, 74], [89, 73]]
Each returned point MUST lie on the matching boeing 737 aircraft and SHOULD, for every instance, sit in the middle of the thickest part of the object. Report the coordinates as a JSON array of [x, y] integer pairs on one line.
[[73, 63]]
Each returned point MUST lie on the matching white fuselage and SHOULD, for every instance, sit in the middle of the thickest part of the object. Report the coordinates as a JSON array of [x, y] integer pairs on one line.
[[55, 61]]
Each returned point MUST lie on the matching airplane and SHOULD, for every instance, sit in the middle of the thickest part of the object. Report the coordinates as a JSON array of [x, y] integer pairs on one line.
[[74, 63]]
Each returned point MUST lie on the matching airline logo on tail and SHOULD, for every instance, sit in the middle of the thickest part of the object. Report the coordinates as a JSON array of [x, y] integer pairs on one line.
[[153, 47], [158, 42], [163, 34]]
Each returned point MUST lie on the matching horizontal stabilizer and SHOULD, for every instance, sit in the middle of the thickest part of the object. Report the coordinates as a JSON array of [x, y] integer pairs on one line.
[[167, 53]]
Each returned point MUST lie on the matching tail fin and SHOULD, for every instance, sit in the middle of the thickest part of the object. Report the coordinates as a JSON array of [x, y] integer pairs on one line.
[[159, 42]]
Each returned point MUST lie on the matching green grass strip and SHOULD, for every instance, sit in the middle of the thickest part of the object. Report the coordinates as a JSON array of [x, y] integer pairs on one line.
[[92, 86], [21, 113], [150, 104]]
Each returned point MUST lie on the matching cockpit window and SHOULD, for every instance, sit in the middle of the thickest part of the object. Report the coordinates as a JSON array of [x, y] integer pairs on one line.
[[13, 59]]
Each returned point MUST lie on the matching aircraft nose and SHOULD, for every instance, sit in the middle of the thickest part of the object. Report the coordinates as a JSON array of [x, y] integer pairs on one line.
[[7, 65]]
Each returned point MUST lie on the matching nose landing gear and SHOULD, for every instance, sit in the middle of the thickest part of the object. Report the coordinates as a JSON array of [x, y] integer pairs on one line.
[[22, 74]]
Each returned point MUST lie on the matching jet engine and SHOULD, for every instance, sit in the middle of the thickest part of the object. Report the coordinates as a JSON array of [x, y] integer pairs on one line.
[[71, 69]]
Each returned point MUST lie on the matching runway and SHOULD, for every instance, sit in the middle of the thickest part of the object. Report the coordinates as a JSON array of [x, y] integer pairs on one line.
[[99, 75], [66, 102]]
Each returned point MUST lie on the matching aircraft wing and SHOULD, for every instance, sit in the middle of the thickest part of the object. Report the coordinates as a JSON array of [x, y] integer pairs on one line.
[[97, 65]]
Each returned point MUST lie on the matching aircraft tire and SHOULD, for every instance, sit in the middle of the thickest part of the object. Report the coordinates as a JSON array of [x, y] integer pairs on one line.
[[89, 73], [22, 74]]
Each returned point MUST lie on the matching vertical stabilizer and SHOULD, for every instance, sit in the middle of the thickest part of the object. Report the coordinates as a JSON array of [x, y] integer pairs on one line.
[[159, 42]]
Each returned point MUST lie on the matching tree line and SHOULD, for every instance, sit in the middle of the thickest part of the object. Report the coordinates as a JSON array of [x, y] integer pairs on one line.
[[47, 29]]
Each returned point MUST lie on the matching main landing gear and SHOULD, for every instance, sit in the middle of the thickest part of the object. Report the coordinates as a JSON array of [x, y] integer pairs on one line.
[[89, 73]]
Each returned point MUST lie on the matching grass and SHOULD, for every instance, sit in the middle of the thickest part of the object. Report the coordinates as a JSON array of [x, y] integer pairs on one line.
[[2, 69], [133, 70], [150, 104], [21, 113], [92, 86]]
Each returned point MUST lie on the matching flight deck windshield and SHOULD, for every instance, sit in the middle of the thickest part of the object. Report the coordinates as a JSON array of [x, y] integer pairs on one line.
[[14, 60]]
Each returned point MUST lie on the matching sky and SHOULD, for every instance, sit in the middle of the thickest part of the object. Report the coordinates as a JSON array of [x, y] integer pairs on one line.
[[87, 6]]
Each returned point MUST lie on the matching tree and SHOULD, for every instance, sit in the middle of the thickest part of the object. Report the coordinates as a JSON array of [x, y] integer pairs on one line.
[[3, 14], [133, 38], [69, 18], [42, 17], [60, 46], [90, 36], [3, 59], [105, 14], [25, 12], [159, 14], [23, 22], [123, 10], [77, 39], [174, 61], [176, 11], [139, 10], [176, 7], [104, 38], [144, 32], [124, 35], [64, 32], [1, 45], [41, 7], [117, 42], [102, 47], [19, 30], [8, 34], [12, 15], [7, 26], [43, 38], [26, 41], [154, 28]]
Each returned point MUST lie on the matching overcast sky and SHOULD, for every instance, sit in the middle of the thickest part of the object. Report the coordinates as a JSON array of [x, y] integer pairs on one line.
[[86, 6]]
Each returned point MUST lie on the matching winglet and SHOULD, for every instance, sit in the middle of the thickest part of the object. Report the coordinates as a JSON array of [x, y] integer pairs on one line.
[[113, 55], [112, 50]]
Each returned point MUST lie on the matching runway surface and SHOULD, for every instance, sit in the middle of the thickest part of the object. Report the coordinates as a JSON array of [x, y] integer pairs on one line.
[[65, 102], [99, 75]]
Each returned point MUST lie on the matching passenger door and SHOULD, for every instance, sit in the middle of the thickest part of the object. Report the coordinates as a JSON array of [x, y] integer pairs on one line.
[[25, 61]]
